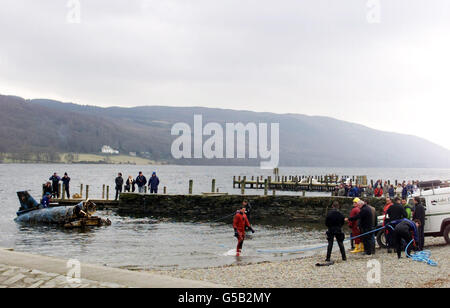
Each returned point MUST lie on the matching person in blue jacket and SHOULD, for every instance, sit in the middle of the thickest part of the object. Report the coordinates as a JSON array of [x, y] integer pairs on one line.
[[153, 183], [45, 203], [141, 181]]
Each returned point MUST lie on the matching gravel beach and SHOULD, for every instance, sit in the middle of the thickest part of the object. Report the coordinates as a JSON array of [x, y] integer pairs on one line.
[[303, 272]]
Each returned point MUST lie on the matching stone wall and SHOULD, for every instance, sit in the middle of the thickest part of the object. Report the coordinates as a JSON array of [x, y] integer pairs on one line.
[[265, 209]]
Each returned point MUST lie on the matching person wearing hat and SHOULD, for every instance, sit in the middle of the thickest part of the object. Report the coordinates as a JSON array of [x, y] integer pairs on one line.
[[358, 246], [45, 203], [65, 179], [153, 183]]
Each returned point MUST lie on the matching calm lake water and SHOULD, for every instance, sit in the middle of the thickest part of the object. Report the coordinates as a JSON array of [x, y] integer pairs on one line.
[[146, 243]]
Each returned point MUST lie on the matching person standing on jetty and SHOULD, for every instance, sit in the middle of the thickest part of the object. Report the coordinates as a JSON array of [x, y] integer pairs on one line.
[[240, 223], [66, 180], [334, 221], [140, 182], [119, 185], [153, 183], [357, 245], [55, 184], [365, 218], [130, 184]]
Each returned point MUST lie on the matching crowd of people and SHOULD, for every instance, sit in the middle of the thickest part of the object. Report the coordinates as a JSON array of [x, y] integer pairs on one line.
[[403, 224], [51, 188], [379, 189], [140, 181]]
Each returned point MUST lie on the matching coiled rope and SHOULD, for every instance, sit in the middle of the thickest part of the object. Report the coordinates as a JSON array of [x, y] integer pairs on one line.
[[420, 256]]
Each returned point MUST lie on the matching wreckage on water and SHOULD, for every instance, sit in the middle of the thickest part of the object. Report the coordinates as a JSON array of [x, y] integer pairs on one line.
[[80, 215]]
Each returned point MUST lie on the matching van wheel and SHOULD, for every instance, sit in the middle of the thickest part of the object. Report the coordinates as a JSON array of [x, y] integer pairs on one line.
[[381, 239], [446, 234]]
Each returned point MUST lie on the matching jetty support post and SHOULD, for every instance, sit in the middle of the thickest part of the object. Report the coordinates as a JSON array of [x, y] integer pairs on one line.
[[107, 192], [165, 190], [81, 190], [266, 182], [191, 185], [213, 185], [87, 192], [103, 192]]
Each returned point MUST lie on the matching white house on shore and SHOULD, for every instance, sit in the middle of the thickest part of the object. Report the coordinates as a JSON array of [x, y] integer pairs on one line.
[[106, 149]]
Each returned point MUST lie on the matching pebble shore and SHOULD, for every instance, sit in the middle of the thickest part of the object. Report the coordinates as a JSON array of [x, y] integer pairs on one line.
[[303, 272]]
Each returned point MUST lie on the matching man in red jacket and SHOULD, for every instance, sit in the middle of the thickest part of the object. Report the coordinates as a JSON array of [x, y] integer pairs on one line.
[[240, 222], [354, 226]]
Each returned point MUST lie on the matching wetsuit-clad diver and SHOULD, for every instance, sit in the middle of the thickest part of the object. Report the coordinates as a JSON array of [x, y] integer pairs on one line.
[[240, 223], [406, 230], [334, 221]]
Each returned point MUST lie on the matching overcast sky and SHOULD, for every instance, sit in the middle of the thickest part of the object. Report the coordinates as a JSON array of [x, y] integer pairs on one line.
[[342, 59]]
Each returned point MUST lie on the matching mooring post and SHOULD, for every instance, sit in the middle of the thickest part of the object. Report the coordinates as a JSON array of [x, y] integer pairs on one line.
[[81, 190], [234, 181], [107, 192], [191, 185], [103, 192], [213, 185], [63, 192], [87, 192], [145, 189], [266, 184], [244, 179], [274, 192], [165, 190], [59, 190], [303, 193]]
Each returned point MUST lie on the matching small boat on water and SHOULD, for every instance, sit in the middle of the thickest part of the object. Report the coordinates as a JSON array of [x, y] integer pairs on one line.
[[78, 216]]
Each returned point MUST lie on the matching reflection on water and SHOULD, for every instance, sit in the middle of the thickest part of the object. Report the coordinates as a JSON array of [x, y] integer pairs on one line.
[[143, 243]]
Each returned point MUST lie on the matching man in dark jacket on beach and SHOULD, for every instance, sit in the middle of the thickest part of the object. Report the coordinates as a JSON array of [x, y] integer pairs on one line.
[[419, 214], [55, 185], [141, 181], [153, 183], [365, 218], [334, 221], [119, 185]]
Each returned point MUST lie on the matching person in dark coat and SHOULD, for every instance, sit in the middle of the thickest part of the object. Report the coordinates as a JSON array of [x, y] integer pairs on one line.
[[396, 211], [365, 218], [47, 189], [153, 183], [141, 180], [66, 180], [130, 184], [55, 184], [406, 230], [119, 185], [419, 214], [334, 221]]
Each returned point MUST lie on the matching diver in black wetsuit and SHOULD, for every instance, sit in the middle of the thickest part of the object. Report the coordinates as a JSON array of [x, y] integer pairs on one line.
[[334, 221]]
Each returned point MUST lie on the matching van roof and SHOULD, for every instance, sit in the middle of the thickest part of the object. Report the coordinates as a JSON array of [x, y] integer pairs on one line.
[[436, 191]]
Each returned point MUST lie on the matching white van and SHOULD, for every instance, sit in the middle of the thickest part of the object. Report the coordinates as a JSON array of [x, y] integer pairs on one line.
[[437, 214], [437, 211]]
